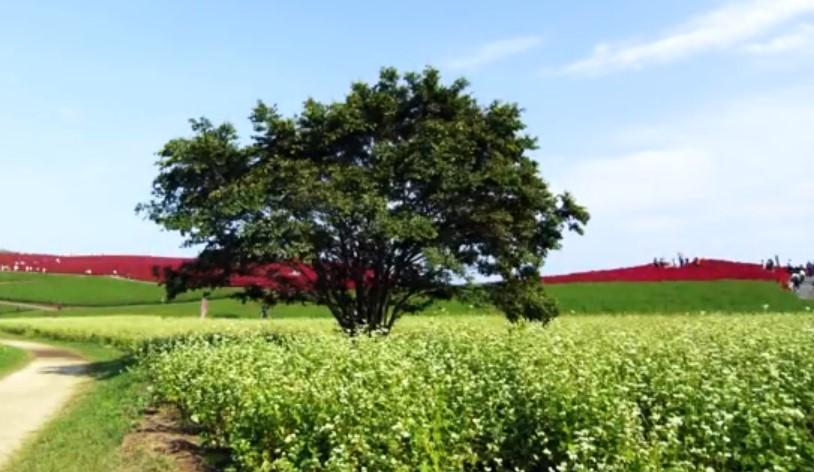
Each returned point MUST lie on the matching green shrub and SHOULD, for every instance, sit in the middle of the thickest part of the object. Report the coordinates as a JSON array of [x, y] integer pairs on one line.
[[524, 300]]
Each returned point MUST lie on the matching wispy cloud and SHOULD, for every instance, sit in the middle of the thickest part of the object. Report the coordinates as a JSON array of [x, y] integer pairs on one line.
[[795, 40], [495, 51], [724, 28]]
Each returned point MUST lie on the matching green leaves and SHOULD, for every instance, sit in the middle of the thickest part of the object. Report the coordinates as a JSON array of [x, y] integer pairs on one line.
[[388, 193], [524, 300]]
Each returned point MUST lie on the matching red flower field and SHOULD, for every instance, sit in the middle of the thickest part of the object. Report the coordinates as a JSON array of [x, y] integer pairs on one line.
[[143, 268], [703, 269]]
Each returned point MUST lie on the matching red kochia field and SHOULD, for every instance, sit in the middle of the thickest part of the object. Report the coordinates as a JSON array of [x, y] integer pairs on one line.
[[143, 268], [132, 267], [703, 270]]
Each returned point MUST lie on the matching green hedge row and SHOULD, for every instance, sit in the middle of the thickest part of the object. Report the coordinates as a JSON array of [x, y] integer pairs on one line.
[[629, 393]]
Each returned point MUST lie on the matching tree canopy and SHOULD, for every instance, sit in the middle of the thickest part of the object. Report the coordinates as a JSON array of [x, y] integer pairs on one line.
[[386, 196]]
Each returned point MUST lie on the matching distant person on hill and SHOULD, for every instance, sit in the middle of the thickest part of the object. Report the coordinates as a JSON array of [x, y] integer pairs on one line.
[[264, 310]]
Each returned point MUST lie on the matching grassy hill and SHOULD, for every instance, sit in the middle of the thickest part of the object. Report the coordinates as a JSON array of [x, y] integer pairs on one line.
[[676, 297], [96, 296]]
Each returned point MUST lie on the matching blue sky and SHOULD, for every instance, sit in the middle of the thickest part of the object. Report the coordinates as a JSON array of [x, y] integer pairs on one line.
[[682, 125]]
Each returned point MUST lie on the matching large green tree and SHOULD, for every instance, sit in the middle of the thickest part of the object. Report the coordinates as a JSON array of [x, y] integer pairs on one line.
[[388, 195]]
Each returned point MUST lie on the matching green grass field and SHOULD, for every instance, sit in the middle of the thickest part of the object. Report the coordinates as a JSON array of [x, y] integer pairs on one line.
[[79, 290], [8, 309], [11, 359], [736, 296], [95, 296], [229, 308]]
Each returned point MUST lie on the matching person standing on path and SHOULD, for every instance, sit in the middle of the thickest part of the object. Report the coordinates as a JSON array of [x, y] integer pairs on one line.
[[204, 306]]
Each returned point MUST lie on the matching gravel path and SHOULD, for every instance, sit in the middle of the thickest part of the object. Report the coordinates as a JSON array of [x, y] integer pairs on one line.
[[32, 395], [806, 290]]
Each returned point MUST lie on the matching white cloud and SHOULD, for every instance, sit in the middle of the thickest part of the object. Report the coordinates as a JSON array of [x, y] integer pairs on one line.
[[720, 29], [495, 51], [643, 181], [795, 40], [730, 181]]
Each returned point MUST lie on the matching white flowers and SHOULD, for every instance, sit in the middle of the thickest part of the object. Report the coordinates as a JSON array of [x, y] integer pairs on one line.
[[587, 393]]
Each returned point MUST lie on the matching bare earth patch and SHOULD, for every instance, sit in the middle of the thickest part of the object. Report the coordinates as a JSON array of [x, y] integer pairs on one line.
[[162, 434]]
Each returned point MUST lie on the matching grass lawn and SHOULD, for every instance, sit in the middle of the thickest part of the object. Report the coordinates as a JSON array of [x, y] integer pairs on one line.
[[120, 297], [96, 295], [730, 296], [86, 436], [11, 359], [9, 309], [80, 290], [229, 308]]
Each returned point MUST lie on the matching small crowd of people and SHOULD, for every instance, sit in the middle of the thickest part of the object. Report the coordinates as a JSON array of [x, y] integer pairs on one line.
[[21, 267], [807, 269], [681, 261], [797, 278], [797, 273]]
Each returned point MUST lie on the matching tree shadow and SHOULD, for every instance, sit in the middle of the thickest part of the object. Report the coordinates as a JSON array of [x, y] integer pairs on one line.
[[102, 370]]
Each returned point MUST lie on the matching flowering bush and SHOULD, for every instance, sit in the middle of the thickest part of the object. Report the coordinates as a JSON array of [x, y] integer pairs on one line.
[[600, 393]]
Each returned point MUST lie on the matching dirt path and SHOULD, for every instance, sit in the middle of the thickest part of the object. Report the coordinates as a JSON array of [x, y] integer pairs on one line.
[[33, 394], [31, 306]]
